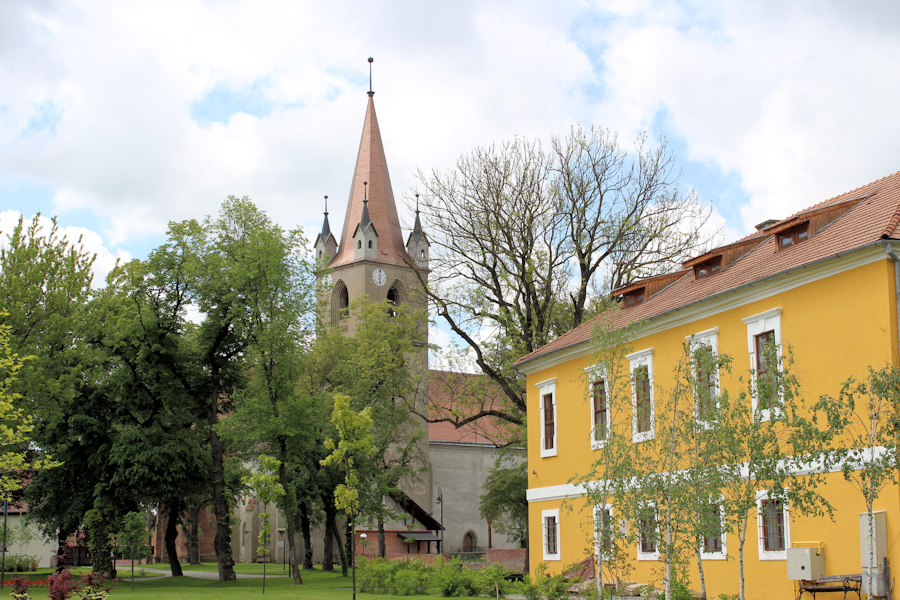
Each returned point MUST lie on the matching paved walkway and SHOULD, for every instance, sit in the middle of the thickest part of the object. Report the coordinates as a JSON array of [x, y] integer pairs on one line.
[[203, 574]]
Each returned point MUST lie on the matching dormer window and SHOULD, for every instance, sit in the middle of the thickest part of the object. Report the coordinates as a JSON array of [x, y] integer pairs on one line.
[[634, 297], [793, 236], [707, 268]]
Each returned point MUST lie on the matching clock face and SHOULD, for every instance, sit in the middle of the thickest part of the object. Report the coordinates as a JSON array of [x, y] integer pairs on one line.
[[379, 277]]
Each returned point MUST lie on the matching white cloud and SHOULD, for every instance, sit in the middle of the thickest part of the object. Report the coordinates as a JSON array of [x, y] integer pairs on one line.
[[797, 98]]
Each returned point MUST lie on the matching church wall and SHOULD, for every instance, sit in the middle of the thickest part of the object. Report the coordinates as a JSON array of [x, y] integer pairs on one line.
[[460, 470]]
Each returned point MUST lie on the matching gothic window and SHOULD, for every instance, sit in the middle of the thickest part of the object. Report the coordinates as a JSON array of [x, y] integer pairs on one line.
[[340, 303]]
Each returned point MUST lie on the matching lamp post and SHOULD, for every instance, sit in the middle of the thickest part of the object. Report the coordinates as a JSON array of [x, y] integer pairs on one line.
[[440, 500], [283, 553], [364, 540], [3, 568]]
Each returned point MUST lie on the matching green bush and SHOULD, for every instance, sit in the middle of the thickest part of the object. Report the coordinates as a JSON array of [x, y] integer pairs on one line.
[[377, 575], [544, 586], [453, 579], [413, 578], [492, 580]]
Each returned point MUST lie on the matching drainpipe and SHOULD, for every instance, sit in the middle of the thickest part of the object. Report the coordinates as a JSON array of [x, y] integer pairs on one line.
[[896, 258]]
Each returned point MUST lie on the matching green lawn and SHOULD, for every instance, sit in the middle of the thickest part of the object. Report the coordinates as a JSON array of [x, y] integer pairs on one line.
[[242, 568], [317, 585]]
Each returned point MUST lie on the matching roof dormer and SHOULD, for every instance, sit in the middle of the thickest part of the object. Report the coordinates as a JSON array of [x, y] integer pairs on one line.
[[637, 292]]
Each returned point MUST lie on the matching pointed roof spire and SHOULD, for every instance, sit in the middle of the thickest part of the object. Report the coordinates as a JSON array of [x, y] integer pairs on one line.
[[372, 170], [417, 232], [326, 228], [371, 93], [364, 220]]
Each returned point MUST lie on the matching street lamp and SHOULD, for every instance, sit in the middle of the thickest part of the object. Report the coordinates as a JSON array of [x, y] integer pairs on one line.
[[283, 553], [440, 500], [364, 540]]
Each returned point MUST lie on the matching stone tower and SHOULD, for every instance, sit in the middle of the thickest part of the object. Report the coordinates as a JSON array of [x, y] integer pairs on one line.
[[372, 259]]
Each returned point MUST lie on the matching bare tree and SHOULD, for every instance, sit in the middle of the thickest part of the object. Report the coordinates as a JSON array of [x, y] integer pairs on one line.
[[527, 243]]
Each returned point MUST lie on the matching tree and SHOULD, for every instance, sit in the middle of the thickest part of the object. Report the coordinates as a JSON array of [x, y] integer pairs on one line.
[[504, 503], [864, 418], [526, 241], [268, 490], [133, 539], [381, 367], [766, 436], [354, 445], [17, 461]]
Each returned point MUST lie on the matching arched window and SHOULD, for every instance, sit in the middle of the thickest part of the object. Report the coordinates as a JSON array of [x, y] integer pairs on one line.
[[340, 302], [395, 297], [469, 542], [370, 244], [359, 244]]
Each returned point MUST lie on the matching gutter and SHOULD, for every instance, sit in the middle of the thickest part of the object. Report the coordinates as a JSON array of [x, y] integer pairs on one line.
[[890, 252]]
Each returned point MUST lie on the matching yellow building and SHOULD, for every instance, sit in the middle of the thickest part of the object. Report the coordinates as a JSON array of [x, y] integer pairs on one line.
[[823, 282]]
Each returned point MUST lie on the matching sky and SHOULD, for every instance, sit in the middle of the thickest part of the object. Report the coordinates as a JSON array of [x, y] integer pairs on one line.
[[119, 117]]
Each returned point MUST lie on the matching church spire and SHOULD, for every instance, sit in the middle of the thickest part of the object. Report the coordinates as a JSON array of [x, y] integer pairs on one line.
[[371, 192], [326, 245]]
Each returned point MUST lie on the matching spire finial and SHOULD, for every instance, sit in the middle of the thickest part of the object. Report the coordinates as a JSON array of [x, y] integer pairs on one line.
[[365, 196], [371, 60], [417, 202], [326, 205]]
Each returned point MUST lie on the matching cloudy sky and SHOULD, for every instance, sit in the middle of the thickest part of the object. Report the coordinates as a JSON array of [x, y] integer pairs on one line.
[[121, 116]]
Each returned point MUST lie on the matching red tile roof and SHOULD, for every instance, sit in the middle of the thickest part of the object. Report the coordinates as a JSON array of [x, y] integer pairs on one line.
[[875, 216], [457, 395]]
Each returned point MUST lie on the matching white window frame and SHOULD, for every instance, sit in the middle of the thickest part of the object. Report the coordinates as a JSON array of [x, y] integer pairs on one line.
[[710, 338], [554, 512], [593, 374], [598, 549], [760, 522], [636, 360], [723, 555], [648, 555], [769, 320], [544, 388]]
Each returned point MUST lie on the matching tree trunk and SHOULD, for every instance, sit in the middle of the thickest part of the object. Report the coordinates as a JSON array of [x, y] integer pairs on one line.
[[742, 536], [305, 531], [289, 515], [348, 547], [192, 534], [101, 548], [700, 570], [171, 535], [222, 542], [342, 552], [331, 533], [382, 545]]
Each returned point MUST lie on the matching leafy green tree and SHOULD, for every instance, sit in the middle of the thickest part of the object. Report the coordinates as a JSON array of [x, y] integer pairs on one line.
[[265, 483], [766, 436], [270, 413], [355, 445], [504, 503], [864, 418], [133, 538]]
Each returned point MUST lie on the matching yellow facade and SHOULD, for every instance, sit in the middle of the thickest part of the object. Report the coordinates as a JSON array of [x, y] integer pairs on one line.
[[839, 316]]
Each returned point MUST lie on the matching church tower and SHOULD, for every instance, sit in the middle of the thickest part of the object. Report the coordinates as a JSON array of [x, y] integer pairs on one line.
[[372, 259]]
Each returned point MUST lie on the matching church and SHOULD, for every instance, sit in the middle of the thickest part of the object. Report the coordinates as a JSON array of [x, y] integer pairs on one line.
[[372, 259]]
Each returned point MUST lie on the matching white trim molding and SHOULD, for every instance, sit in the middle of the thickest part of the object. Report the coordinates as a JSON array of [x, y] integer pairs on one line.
[[762, 496], [643, 358], [769, 320], [545, 389], [552, 513]]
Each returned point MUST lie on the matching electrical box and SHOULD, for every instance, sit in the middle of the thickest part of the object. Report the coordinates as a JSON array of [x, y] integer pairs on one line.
[[804, 563], [879, 519]]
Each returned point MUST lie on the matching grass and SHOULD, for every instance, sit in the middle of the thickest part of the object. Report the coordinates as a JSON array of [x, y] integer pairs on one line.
[[241, 568], [317, 585]]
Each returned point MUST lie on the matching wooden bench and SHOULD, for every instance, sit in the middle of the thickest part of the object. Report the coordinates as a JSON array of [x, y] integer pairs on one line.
[[833, 583]]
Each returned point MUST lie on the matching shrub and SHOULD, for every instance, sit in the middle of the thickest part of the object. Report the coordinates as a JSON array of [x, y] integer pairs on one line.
[[376, 575], [544, 586], [20, 589], [413, 579], [492, 580], [93, 586], [452, 579], [60, 585]]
